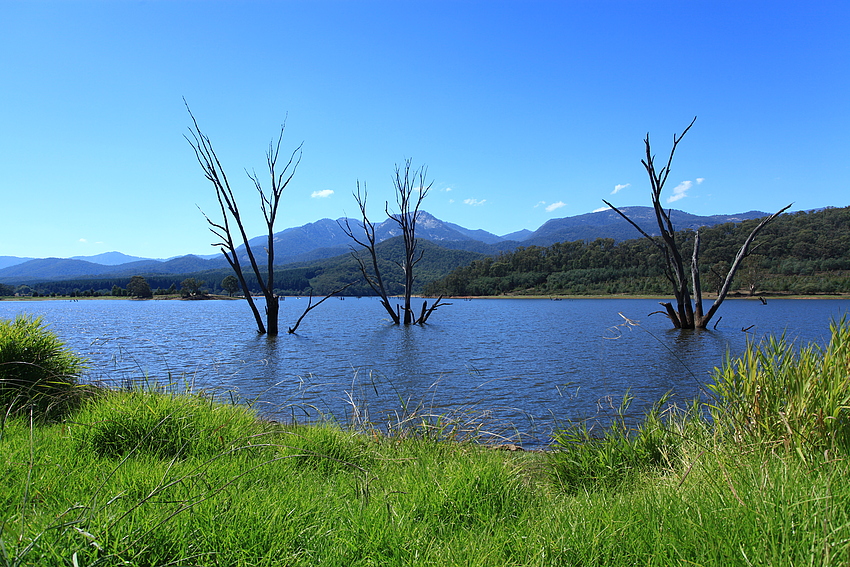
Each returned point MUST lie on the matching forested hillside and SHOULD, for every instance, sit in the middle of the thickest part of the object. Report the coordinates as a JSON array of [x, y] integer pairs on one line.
[[804, 252]]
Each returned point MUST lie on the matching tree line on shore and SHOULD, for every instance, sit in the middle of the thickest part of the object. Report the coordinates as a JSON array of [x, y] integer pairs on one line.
[[798, 253]]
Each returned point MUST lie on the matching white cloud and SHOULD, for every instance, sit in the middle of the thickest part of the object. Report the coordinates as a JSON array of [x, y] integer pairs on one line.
[[83, 240], [540, 204], [447, 189], [618, 188], [451, 201], [700, 180], [600, 209], [322, 194], [554, 206], [474, 202], [680, 191]]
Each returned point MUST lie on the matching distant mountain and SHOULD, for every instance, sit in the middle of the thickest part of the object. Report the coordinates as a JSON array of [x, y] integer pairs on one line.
[[480, 235], [51, 269], [326, 239], [608, 224], [292, 244], [110, 258], [6, 261], [519, 235], [46, 269]]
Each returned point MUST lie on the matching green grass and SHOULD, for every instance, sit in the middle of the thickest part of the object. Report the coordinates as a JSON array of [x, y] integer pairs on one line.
[[796, 398], [152, 478], [37, 372]]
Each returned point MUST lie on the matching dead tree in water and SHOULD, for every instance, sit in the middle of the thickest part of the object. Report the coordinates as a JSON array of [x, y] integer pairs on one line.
[[410, 189], [688, 313], [311, 305], [269, 202], [368, 242]]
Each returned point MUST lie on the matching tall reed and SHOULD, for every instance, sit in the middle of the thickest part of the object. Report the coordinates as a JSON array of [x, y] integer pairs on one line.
[[777, 395]]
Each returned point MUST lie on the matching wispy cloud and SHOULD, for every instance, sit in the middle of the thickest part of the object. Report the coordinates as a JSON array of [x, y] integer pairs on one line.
[[540, 204], [618, 188], [700, 180], [447, 189], [680, 191], [600, 209], [555, 206], [322, 194], [83, 240], [474, 202]]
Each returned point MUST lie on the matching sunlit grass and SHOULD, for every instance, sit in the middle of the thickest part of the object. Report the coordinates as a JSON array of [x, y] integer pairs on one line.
[[797, 398], [148, 477], [38, 373]]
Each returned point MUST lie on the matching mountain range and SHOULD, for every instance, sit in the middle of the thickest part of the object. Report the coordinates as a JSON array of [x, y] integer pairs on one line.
[[326, 238]]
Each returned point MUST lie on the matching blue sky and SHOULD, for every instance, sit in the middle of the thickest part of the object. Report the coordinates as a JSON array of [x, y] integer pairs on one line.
[[522, 111]]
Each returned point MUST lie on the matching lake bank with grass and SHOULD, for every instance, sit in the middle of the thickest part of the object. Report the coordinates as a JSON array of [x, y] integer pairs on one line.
[[757, 477]]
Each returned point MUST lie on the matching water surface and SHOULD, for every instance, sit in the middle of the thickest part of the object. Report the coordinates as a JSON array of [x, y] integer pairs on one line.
[[527, 362]]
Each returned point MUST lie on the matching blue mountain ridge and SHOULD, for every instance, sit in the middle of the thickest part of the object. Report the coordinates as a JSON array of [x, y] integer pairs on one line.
[[326, 238]]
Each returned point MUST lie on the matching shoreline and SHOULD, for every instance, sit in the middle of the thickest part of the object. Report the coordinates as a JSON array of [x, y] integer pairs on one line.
[[552, 297]]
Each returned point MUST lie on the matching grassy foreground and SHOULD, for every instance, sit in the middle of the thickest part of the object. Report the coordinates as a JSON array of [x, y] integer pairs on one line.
[[758, 477]]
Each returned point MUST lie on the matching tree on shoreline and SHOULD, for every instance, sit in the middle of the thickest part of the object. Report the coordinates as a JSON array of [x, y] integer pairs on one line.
[[688, 313], [138, 287], [191, 287], [230, 284]]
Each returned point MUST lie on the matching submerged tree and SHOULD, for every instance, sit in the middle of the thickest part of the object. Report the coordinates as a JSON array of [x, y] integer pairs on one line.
[[411, 188], [688, 313], [224, 229]]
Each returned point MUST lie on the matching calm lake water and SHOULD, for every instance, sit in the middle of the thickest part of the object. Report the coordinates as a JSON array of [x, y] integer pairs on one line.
[[525, 362]]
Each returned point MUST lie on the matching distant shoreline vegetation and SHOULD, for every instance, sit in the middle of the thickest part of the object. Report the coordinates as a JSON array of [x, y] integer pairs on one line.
[[799, 254]]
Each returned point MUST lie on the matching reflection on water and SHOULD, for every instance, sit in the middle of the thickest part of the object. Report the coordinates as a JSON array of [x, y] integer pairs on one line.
[[526, 361]]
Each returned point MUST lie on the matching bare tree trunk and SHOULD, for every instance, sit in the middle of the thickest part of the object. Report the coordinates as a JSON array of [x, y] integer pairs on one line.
[[423, 317], [311, 306], [410, 189], [269, 203], [695, 280], [742, 253], [687, 314], [368, 242]]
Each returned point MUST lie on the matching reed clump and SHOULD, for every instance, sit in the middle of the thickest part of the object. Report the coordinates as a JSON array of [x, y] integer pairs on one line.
[[779, 395], [38, 372]]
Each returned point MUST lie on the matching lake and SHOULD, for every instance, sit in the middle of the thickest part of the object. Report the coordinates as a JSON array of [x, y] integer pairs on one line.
[[518, 365]]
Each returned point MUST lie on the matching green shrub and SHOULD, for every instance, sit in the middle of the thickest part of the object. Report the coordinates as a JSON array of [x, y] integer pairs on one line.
[[36, 369], [774, 395]]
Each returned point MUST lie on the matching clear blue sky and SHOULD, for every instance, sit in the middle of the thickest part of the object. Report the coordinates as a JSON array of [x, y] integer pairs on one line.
[[522, 111]]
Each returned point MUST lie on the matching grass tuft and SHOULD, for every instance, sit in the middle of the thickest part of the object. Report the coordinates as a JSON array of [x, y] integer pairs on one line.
[[159, 424], [592, 457], [37, 372], [777, 395]]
